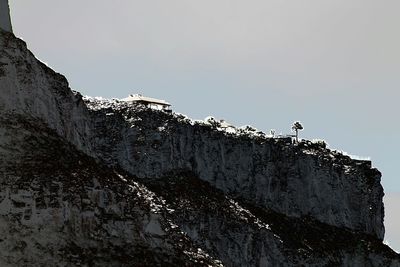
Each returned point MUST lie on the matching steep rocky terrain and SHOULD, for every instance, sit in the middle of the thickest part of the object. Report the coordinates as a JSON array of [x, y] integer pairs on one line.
[[60, 208], [87, 182], [296, 180], [30, 87]]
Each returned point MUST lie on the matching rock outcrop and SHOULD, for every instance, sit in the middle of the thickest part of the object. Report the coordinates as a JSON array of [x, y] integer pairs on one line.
[[293, 179], [86, 182], [30, 87], [59, 207], [240, 234]]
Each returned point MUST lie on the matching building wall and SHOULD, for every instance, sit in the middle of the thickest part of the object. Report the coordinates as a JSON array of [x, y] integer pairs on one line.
[[5, 20], [156, 106]]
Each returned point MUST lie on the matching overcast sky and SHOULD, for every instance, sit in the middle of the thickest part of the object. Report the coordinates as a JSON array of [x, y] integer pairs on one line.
[[332, 64]]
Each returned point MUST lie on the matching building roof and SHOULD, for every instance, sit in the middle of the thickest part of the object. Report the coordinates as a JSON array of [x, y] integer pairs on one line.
[[140, 98]]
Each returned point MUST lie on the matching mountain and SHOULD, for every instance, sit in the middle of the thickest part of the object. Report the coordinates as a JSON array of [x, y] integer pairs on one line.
[[92, 182]]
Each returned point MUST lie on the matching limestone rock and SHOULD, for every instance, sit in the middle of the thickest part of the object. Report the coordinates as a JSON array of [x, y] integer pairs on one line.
[[88, 182], [298, 180]]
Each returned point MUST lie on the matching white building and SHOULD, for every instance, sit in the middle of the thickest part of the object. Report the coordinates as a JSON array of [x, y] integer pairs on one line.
[[5, 19], [148, 102]]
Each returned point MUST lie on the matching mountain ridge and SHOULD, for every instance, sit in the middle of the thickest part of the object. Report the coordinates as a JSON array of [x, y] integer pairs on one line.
[[111, 184]]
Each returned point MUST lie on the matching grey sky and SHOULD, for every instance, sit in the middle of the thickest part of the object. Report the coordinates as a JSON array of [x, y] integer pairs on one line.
[[332, 64]]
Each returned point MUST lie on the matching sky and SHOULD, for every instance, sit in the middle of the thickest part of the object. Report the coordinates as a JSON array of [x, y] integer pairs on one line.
[[334, 65]]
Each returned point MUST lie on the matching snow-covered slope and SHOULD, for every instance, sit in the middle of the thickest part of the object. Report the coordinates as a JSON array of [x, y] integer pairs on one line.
[[104, 183]]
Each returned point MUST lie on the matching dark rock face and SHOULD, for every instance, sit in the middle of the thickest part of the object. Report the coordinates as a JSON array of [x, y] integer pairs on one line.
[[296, 180], [103, 183], [241, 234], [60, 208]]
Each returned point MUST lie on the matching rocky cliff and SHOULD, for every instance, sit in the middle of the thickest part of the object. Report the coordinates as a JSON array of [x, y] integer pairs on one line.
[[29, 87], [294, 179], [88, 182]]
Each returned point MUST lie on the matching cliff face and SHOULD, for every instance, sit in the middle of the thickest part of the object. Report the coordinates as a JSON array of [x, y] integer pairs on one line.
[[30, 87], [295, 180], [240, 234], [59, 207], [109, 184]]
